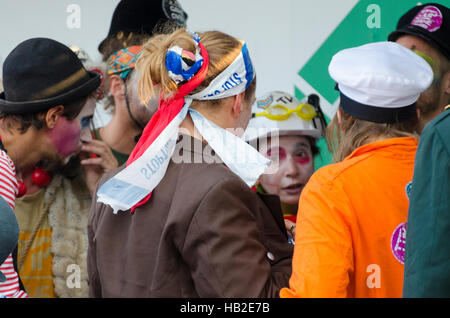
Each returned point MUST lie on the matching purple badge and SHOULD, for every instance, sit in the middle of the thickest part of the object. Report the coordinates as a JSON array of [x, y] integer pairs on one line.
[[398, 241], [429, 18]]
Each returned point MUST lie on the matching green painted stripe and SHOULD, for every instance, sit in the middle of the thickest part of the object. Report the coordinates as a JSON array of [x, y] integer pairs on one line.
[[298, 93]]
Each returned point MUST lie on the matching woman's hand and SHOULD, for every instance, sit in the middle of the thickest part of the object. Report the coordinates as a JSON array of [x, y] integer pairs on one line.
[[290, 228], [95, 166]]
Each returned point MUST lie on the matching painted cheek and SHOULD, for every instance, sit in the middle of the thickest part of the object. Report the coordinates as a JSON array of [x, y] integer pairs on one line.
[[303, 160], [65, 136], [277, 152]]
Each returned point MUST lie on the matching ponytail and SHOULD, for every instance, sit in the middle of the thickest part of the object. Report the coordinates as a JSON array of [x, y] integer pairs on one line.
[[222, 50]]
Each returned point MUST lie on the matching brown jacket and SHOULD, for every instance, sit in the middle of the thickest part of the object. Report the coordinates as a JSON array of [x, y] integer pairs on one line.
[[203, 233]]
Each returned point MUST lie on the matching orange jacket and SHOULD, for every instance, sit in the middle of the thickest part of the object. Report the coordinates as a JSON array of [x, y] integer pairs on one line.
[[351, 224]]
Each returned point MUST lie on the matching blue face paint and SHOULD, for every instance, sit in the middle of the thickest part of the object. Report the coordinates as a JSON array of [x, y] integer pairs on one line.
[[86, 121]]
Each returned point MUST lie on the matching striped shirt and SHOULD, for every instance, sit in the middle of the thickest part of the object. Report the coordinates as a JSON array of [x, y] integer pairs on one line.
[[9, 190]]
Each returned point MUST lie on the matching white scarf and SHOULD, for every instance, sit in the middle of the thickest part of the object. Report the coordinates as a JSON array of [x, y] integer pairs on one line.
[[141, 177]]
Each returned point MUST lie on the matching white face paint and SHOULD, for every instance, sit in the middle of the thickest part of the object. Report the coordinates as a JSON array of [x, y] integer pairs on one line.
[[142, 113], [295, 167]]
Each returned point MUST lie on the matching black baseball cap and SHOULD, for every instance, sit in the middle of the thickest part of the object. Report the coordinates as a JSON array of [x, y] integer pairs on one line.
[[142, 16], [431, 22]]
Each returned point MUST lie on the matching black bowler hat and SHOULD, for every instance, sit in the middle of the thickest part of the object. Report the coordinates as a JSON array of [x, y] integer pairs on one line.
[[9, 233], [141, 16], [431, 22], [42, 73]]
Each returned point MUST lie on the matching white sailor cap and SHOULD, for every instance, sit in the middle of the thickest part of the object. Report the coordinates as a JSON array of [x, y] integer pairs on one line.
[[380, 82]]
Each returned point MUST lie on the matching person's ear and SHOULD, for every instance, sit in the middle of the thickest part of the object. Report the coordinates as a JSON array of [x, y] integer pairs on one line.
[[446, 83], [237, 105], [339, 116], [418, 113], [339, 119], [116, 87], [52, 116]]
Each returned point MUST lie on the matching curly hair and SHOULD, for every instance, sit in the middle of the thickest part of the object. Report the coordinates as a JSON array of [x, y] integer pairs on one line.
[[25, 121]]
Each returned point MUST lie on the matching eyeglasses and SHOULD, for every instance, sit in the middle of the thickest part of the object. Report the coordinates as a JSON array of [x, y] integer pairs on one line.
[[280, 112]]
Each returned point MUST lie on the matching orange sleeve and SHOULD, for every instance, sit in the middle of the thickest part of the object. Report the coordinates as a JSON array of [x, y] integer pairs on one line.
[[323, 254]]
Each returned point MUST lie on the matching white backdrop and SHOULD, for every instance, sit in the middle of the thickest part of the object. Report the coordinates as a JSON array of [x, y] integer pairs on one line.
[[281, 35]]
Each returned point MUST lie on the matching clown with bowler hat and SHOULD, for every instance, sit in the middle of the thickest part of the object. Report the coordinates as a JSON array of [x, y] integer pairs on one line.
[[47, 96]]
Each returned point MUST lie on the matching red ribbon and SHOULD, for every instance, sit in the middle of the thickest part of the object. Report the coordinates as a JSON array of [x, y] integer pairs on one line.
[[167, 111]]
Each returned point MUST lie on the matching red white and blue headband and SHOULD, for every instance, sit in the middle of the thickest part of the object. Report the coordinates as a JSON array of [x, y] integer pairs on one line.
[[147, 164]]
